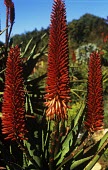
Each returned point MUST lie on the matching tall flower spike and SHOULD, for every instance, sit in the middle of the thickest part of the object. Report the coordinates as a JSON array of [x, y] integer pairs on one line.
[[12, 13], [10, 5], [94, 115], [7, 3], [57, 89], [13, 121]]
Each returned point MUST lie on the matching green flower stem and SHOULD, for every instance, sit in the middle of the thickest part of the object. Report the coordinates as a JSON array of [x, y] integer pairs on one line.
[[54, 136], [61, 133]]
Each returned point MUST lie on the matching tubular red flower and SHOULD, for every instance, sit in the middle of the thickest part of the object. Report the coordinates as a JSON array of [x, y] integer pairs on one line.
[[13, 121], [94, 115], [57, 90]]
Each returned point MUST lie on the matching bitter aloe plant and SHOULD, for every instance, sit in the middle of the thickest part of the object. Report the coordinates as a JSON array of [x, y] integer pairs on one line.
[[34, 115]]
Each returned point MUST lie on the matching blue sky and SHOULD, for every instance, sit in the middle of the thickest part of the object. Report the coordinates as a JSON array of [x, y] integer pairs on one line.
[[31, 14]]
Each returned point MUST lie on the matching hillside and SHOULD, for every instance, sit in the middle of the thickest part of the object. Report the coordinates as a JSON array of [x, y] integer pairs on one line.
[[87, 29]]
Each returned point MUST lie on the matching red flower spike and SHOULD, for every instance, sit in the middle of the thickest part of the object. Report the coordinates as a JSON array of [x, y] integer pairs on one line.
[[12, 13], [7, 3], [94, 115], [13, 121], [57, 90], [10, 5]]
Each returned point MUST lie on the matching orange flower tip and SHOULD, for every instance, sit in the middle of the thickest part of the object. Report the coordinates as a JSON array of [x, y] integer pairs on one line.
[[1, 168], [4, 132], [11, 138]]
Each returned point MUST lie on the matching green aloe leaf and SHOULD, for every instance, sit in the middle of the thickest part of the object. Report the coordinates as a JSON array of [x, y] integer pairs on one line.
[[1, 32], [1, 79], [26, 48], [40, 53], [105, 137], [28, 104], [79, 162], [7, 168], [1, 93], [99, 152], [72, 91], [77, 117], [31, 63], [14, 166], [1, 73], [65, 147], [36, 159], [32, 51]]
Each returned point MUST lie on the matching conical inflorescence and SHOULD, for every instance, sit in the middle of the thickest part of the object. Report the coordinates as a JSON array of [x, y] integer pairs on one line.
[[94, 115], [57, 89], [11, 10], [13, 119]]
